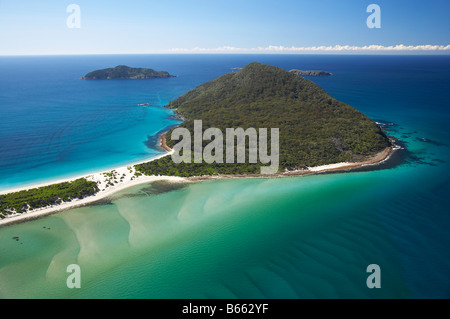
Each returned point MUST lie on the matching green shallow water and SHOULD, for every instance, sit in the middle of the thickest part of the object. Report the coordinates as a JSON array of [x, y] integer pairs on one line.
[[307, 237]]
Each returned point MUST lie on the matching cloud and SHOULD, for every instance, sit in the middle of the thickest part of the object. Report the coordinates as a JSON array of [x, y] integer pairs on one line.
[[336, 48]]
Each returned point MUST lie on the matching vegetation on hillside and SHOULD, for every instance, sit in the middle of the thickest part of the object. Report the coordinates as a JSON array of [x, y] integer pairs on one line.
[[315, 129], [166, 167]]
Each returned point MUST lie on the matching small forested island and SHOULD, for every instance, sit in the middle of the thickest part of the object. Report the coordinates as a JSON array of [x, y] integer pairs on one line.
[[126, 72], [310, 73]]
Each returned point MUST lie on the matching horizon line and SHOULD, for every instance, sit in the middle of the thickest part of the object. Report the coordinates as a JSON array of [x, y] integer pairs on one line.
[[399, 49]]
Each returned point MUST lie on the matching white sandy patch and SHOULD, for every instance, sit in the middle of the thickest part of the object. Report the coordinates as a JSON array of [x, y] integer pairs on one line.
[[108, 182], [93, 176], [328, 167]]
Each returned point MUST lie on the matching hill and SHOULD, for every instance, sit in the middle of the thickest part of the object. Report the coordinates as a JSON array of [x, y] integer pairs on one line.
[[315, 129]]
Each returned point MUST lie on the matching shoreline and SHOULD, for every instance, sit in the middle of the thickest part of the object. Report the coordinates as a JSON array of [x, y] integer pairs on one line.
[[125, 174], [69, 179], [76, 203], [163, 142], [377, 159], [127, 178]]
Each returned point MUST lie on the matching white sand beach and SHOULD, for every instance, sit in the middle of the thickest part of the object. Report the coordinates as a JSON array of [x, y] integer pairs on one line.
[[328, 167], [109, 182], [375, 160], [98, 176]]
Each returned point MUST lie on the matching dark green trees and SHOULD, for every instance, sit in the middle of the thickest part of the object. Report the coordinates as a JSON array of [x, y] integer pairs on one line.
[[315, 129], [46, 196], [125, 72]]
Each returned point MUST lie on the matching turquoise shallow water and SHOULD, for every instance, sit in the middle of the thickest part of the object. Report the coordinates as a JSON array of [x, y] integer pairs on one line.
[[308, 237], [302, 237]]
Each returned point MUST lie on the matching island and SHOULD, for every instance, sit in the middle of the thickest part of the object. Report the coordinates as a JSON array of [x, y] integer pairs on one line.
[[315, 129], [317, 134], [310, 73], [126, 72]]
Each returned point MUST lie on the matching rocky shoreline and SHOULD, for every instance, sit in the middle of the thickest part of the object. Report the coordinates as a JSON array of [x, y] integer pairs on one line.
[[310, 73]]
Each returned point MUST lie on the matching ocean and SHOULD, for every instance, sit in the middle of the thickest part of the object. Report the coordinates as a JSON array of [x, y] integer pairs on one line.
[[296, 237]]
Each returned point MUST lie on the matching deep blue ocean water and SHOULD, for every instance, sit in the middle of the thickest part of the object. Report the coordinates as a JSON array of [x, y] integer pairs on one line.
[[301, 237]]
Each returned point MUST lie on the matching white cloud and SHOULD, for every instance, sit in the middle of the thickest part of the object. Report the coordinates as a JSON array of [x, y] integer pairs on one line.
[[271, 49], [315, 49]]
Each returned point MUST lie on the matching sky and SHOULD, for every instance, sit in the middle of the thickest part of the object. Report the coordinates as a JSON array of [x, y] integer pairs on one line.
[[34, 27]]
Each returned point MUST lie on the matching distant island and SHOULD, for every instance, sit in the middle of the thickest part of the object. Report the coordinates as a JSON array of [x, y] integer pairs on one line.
[[311, 73], [125, 72]]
